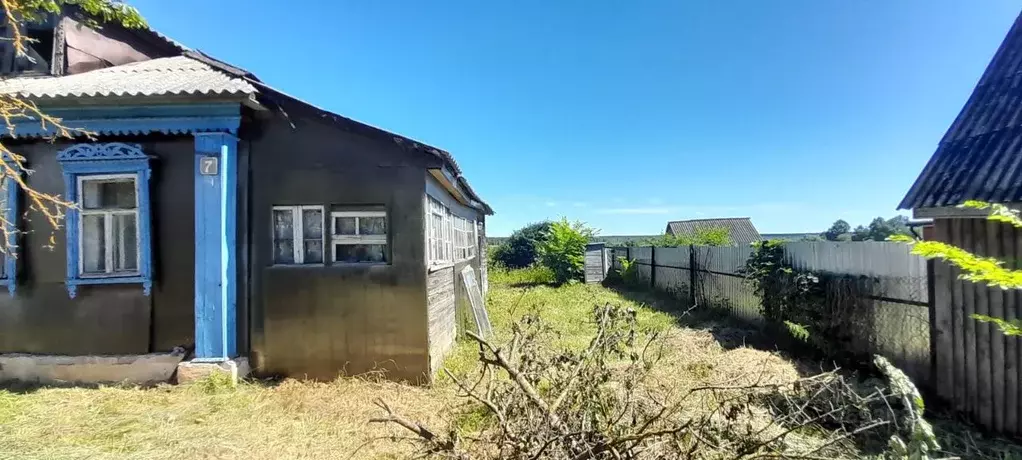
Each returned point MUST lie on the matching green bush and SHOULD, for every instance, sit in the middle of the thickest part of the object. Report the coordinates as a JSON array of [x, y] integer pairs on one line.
[[522, 248], [564, 250], [630, 272]]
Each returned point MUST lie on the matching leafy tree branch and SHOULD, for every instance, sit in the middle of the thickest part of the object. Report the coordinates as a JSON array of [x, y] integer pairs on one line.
[[13, 108], [978, 269]]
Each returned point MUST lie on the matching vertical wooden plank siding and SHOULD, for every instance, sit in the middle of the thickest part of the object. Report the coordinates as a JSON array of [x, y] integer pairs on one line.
[[984, 393], [944, 323], [968, 235], [996, 300], [1011, 399], [1014, 250], [958, 297], [976, 366]]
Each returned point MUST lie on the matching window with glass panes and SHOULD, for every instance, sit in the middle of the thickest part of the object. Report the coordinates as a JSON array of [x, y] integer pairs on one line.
[[108, 232], [450, 238], [437, 218], [464, 238], [359, 236], [298, 235]]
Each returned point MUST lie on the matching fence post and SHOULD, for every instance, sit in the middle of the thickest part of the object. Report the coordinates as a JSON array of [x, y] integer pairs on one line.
[[652, 268], [692, 273]]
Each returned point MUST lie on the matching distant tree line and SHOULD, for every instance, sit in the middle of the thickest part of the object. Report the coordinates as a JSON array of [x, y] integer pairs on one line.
[[879, 229]]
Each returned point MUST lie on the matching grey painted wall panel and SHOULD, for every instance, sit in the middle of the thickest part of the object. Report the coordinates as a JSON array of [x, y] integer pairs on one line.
[[442, 315]]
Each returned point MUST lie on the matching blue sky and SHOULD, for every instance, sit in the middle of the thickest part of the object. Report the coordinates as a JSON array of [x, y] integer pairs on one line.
[[626, 114]]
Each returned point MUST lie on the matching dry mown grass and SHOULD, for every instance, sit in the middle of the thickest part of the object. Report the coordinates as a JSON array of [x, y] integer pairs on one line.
[[292, 419], [295, 419]]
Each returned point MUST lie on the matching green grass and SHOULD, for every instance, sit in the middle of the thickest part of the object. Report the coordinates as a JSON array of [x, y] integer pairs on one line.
[[310, 420], [531, 276], [568, 308]]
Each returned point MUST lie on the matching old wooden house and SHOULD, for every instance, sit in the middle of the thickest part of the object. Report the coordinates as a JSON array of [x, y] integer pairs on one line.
[[216, 214], [977, 369]]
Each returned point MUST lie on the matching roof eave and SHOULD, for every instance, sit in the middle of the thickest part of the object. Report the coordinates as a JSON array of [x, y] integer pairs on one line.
[[45, 102]]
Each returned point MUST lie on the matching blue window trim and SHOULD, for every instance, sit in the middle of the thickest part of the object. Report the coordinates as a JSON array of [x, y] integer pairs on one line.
[[107, 158], [134, 119], [10, 275]]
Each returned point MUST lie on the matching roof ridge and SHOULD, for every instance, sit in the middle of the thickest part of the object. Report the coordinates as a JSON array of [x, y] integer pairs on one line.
[[710, 218]]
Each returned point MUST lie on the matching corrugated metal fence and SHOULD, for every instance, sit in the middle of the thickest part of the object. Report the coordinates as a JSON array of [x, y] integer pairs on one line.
[[890, 285]]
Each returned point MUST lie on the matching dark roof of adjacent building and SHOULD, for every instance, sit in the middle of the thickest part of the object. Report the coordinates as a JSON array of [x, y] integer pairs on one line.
[[978, 158], [740, 229]]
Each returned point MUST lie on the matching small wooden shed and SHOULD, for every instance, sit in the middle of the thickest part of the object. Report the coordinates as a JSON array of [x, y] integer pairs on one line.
[[978, 370], [596, 262]]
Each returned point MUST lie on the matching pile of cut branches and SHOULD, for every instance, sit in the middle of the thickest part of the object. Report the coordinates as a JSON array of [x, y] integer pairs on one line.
[[598, 403]]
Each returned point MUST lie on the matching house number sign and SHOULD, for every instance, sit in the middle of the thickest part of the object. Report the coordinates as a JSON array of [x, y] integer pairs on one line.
[[209, 166]]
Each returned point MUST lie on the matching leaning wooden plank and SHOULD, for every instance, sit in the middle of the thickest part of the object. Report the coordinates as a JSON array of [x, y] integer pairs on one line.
[[475, 297]]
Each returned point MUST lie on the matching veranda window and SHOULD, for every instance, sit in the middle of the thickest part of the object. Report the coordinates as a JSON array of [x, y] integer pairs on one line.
[[439, 235], [464, 238]]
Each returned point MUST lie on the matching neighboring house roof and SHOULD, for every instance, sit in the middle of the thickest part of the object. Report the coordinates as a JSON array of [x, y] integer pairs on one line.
[[978, 158], [740, 229], [170, 76]]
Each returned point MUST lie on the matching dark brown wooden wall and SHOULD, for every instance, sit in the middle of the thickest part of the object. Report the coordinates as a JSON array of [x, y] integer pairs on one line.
[[976, 367], [319, 321], [41, 318]]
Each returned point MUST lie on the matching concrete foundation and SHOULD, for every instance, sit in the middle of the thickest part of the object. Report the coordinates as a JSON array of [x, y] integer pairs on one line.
[[190, 371], [51, 370]]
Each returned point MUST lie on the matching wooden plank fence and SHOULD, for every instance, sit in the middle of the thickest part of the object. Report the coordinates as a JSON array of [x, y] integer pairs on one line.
[[891, 282], [977, 370]]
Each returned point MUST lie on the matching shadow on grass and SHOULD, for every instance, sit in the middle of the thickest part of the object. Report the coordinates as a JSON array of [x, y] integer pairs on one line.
[[527, 285], [729, 331], [20, 387], [957, 436], [17, 387]]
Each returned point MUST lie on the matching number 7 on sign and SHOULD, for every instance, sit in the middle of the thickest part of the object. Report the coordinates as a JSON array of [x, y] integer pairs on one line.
[[208, 166]]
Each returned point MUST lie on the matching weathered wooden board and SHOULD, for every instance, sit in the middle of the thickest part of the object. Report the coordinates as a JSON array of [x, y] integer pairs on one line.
[[475, 297]]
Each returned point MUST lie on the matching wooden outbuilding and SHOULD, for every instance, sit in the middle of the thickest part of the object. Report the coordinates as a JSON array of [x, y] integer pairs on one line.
[[978, 370]]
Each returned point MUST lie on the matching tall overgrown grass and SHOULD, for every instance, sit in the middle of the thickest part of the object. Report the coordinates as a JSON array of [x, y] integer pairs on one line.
[[533, 275]]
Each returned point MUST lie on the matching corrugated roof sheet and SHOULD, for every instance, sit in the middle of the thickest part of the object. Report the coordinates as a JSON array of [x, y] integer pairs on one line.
[[178, 75], [740, 229], [980, 156]]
